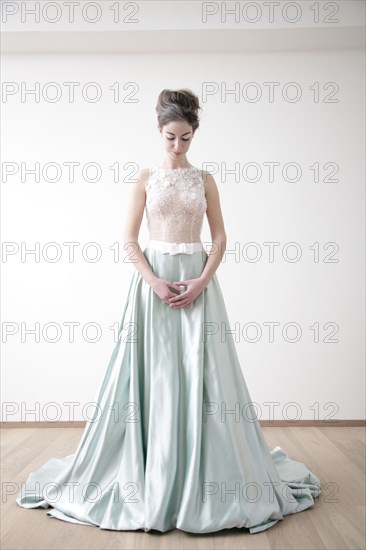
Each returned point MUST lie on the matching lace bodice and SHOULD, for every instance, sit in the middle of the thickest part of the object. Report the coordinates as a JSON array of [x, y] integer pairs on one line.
[[175, 204]]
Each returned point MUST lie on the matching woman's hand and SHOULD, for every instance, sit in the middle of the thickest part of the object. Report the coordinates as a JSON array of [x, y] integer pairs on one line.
[[186, 298], [162, 288]]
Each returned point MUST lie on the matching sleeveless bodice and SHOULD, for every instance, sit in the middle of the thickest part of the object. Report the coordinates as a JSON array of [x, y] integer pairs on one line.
[[175, 205]]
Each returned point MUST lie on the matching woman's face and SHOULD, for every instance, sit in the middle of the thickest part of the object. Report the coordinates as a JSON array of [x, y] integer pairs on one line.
[[177, 137]]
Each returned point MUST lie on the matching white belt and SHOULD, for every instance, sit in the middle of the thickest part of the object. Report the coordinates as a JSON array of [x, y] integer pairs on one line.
[[175, 248]]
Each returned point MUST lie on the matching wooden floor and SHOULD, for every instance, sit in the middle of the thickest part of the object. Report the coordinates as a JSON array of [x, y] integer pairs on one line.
[[337, 520]]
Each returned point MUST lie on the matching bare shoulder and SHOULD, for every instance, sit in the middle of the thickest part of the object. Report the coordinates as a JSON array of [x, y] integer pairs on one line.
[[213, 211], [142, 177], [211, 188]]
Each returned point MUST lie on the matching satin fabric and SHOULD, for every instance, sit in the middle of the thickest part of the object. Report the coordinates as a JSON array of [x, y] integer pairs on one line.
[[174, 442], [176, 248]]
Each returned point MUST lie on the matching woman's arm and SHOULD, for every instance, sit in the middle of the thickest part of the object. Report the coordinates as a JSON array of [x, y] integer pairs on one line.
[[216, 223], [135, 212]]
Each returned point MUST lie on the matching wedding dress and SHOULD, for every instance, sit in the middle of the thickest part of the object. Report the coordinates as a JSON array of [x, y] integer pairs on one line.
[[174, 442]]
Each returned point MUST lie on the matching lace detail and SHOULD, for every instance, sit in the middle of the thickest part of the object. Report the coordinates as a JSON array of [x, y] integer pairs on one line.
[[175, 206]]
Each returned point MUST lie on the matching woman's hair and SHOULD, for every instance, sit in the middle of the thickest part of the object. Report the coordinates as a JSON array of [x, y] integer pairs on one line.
[[175, 105]]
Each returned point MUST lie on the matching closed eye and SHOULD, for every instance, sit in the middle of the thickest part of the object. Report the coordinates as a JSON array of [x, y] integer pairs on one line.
[[183, 139]]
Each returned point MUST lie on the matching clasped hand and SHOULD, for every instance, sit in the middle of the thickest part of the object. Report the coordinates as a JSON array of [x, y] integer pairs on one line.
[[185, 299]]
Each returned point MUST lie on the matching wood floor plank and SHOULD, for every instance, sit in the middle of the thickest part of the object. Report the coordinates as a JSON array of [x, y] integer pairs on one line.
[[337, 521]]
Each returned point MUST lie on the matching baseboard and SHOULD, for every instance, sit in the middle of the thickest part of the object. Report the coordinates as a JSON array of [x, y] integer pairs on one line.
[[264, 424]]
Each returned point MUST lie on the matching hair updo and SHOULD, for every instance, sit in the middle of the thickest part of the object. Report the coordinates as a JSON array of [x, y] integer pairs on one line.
[[176, 105]]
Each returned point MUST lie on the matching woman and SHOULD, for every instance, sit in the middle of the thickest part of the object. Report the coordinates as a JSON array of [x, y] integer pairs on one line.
[[174, 442]]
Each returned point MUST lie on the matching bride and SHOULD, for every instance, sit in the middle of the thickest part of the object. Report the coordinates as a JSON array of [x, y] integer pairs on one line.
[[185, 449]]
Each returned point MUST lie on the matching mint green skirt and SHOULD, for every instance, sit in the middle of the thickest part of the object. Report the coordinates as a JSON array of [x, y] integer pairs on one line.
[[174, 442]]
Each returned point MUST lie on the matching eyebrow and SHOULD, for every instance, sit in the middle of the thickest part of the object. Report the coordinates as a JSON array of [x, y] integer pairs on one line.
[[182, 134]]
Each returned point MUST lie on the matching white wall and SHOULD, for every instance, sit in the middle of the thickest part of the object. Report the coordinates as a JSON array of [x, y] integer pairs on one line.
[[307, 132]]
